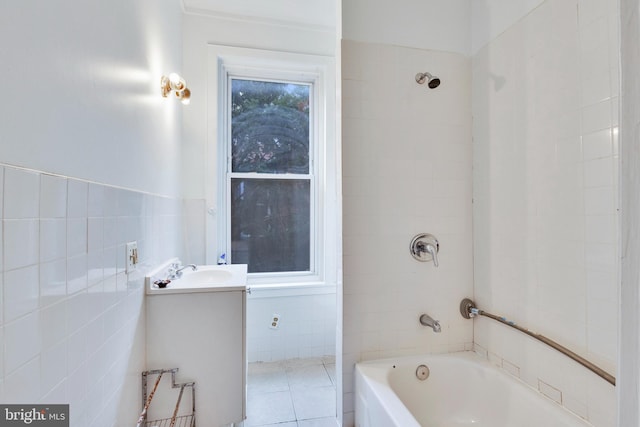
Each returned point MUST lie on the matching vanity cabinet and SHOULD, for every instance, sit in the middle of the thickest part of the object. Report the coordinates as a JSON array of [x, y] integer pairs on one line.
[[203, 334]]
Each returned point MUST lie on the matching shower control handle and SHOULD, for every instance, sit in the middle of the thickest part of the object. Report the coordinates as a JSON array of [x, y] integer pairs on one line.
[[431, 250], [425, 247]]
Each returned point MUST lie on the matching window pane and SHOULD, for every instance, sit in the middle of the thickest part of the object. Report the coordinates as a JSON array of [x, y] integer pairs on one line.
[[269, 127], [270, 224]]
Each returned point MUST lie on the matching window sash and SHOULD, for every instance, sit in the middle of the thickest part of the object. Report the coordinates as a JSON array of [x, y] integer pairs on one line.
[[311, 176], [311, 116]]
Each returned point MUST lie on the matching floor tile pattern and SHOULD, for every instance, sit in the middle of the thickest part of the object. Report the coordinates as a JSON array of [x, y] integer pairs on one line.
[[292, 393]]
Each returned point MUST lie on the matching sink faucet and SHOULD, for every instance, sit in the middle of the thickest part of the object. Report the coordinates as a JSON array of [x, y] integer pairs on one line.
[[427, 320], [175, 271]]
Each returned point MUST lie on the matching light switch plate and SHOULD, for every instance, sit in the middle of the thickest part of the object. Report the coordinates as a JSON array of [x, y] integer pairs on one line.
[[132, 256]]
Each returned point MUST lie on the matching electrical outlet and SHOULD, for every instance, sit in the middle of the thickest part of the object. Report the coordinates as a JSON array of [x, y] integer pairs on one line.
[[275, 321], [132, 256]]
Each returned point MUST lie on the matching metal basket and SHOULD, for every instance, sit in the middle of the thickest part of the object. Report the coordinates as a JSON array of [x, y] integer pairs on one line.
[[181, 421], [175, 420]]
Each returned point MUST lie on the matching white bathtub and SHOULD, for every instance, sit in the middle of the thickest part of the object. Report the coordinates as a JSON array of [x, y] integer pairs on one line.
[[461, 390]]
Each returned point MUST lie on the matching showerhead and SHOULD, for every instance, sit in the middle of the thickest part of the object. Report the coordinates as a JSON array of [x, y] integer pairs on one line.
[[432, 81]]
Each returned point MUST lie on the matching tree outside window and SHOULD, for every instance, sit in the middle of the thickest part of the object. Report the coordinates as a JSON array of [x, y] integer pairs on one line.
[[270, 179]]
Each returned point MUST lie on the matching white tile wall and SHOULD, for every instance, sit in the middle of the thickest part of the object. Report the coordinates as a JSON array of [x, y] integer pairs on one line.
[[24, 252], [53, 196], [20, 292], [545, 210], [307, 326], [20, 188], [629, 339], [406, 170], [70, 329]]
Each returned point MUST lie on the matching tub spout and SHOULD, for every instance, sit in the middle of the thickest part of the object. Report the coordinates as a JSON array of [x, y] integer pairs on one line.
[[427, 320]]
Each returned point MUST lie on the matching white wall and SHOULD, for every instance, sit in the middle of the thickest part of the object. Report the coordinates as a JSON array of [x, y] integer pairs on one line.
[[545, 108], [425, 24], [629, 353], [406, 170], [84, 90], [490, 18], [101, 151], [462, 26], [310, 13], [307, 326]]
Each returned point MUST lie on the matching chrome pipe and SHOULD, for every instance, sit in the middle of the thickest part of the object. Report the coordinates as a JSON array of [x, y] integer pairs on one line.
[[468, 310]]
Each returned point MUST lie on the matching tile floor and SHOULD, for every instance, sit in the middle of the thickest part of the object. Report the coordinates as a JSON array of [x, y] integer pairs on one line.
[[292, 393]]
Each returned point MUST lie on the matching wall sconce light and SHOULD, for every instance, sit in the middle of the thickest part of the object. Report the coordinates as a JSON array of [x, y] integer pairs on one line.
[[175, 86]]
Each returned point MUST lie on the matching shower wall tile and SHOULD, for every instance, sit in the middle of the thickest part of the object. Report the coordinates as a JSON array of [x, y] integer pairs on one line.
[[406, 169], [1, 192], [598, 144], [545, 206], [69, 320], [599, 172], [591, 10], [597, 116]]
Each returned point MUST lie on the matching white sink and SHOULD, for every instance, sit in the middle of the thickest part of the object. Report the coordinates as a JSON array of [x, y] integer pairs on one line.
[[206, 278], [205, 275]]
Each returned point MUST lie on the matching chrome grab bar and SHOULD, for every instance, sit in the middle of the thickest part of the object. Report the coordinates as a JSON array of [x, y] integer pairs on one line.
[[468, 310]]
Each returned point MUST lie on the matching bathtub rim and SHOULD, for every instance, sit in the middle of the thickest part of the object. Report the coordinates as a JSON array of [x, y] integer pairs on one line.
[[376, 375]]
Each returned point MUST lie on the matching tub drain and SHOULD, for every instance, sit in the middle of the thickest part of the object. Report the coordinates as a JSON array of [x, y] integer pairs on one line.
[[422, 372]]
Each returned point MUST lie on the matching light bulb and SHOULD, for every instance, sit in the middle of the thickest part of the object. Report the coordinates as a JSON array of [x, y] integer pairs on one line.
[[175, 85], [174, 78], [186, 96], [177, 82]]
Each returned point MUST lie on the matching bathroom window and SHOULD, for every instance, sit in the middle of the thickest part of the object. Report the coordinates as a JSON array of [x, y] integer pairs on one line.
[[272, 170], [269, 175]]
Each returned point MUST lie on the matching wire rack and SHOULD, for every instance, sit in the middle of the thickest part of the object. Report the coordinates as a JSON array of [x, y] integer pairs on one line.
[[181, 421], [175, 420]]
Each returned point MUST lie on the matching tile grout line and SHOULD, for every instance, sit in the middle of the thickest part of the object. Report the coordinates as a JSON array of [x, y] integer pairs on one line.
[[287, 369]]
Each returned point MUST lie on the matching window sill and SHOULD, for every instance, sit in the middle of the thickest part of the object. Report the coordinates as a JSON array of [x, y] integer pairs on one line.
[[290, 289]]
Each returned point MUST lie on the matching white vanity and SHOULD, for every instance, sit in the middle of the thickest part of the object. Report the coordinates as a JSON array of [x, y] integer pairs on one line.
[[197, 324]]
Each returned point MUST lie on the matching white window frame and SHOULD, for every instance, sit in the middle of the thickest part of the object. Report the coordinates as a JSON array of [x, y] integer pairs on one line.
[[226, 63], [284, 77]]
